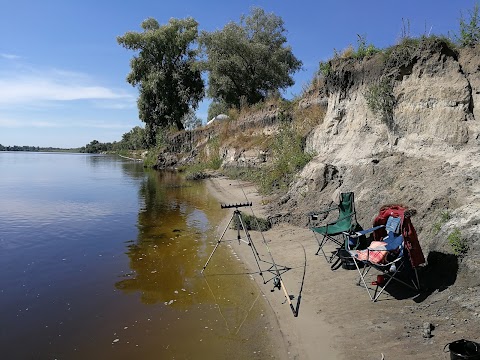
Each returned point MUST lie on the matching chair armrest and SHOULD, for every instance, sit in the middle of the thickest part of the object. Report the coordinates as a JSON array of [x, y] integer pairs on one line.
[[363, 232], [313, 214]]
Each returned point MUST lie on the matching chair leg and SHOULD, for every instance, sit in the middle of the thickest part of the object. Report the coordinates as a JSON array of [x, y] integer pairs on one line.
[[390, 278], [363, 273], [320, 242]]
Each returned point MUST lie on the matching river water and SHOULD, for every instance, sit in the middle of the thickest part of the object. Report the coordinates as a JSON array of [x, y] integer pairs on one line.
[[101, 259]]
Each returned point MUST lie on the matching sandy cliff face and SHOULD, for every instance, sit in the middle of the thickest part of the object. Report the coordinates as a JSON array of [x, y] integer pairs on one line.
[[427, 157]]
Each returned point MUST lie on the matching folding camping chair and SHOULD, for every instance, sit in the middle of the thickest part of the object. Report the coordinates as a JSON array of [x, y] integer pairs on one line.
[[345, 223], [391, 255]]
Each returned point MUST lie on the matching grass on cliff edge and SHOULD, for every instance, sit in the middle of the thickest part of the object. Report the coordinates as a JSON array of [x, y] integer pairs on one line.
[[287, 159]]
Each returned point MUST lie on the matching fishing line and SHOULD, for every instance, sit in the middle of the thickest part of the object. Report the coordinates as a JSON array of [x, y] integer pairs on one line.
[[221, 313], [218, 306], [278, 282], [248, 313]]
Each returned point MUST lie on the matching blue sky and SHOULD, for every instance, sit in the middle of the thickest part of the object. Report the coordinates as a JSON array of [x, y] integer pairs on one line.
[[62, 73]]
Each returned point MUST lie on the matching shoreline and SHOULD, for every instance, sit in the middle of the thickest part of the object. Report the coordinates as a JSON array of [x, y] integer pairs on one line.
[[336, 318], [307, 336]]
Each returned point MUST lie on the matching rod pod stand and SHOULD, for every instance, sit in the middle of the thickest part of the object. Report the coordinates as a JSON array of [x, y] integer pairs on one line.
[[278, 282], [240, 225]]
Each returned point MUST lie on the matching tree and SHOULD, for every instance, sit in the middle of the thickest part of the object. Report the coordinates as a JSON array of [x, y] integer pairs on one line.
[[191, 121], [164, 70], [470, 29], [247, 61], [134, 139]]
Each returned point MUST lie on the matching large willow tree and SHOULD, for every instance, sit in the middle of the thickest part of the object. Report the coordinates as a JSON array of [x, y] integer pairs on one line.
[[248, 60], [164, 70]]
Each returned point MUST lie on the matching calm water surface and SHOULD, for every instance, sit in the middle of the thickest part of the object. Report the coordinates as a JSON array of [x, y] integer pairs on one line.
[[101, 259]]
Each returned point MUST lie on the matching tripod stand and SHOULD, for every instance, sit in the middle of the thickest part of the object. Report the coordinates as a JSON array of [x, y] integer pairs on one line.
[[276, 270], [239, 225]]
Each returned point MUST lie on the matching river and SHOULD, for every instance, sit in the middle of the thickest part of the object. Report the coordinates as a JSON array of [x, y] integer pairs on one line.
[[101, 258]]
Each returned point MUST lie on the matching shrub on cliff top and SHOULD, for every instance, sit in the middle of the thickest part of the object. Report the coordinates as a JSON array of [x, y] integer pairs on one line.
[[470, 28]]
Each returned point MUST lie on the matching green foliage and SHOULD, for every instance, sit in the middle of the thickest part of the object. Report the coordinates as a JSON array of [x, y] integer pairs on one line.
[[364, 49], [444, 217], [95, 147], [458, 243], [252, 222], [34, 148], [470, 28], [287, 159], [196, 171], [151, 158], [248, 60], [324, 68], [164, 70], [134, 139], [191, 121], [381, 101], [214, 160], [209, 160]]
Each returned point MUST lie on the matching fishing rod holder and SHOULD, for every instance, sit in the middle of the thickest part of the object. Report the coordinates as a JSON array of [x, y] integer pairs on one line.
[[240, 227], [236, 206]]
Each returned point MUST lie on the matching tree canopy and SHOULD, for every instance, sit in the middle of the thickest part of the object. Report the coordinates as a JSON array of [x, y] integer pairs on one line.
[[248, 60], [164, 70]]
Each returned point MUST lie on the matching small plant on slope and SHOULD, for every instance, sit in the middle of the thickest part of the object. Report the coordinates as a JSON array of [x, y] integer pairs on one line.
[[458, 243]]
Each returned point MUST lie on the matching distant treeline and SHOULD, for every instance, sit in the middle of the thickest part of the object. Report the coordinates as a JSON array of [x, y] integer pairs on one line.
[[32, 148], [133, 140]]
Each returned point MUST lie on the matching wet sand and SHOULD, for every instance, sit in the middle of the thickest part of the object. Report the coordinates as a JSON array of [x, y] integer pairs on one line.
[[308, 335]]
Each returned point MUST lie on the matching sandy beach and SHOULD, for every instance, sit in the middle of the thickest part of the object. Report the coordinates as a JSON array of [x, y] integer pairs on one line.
[[336, 319], [308, 335]]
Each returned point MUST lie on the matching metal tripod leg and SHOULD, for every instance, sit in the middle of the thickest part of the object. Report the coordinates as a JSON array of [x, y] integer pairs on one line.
[[239, 223], [218, 242]]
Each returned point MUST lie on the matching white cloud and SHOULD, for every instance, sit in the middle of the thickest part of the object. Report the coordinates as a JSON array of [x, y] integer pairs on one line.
[[10, 56], [31, 90], [37, 86], [129, 103], [100, 124]]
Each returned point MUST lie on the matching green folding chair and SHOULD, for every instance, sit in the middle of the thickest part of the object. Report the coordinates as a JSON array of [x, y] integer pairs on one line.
[[335, 231]]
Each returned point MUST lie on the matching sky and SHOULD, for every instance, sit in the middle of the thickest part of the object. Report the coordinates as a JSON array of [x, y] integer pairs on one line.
[[62, 72]]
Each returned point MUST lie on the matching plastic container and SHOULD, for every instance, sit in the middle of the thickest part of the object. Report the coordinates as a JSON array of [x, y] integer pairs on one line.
[[464, 350]]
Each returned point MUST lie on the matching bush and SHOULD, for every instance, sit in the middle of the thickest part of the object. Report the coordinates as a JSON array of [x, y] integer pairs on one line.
[[324, 68], [458, 243], [381, 101], [288, 157], [364, 50], [253, 223], [287, 151], [470, 28]]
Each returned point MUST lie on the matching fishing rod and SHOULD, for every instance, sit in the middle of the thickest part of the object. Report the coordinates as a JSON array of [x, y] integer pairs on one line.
[[277, 281]]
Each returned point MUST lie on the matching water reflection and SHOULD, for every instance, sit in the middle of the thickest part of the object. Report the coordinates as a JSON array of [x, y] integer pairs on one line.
[[163, 258], [73, 225]]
